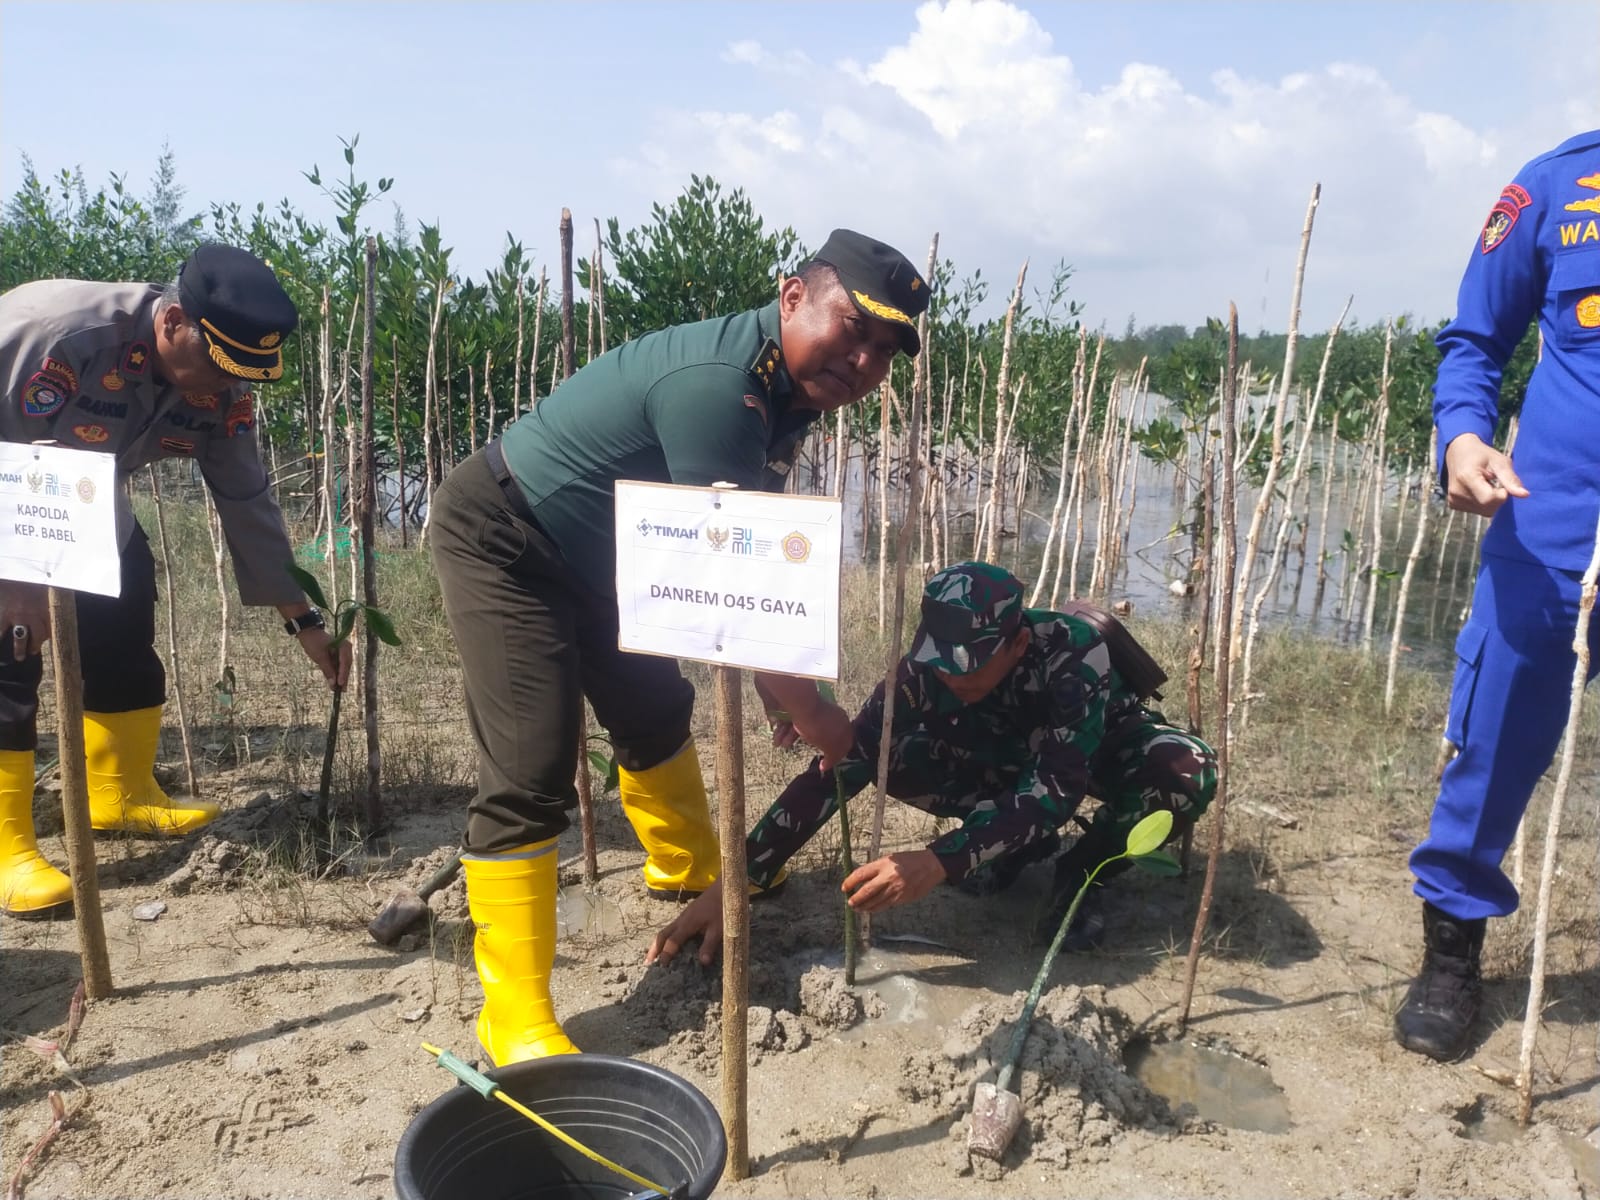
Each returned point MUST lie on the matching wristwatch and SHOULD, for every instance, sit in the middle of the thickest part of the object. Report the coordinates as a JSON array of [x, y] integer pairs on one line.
[[310, 619]]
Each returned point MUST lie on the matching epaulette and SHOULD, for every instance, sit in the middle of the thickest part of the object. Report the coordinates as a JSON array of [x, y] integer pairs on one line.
[[768, 360]]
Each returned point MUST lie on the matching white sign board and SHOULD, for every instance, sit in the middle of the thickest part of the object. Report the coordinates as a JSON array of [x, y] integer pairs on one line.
[[58, 518], [743, 579]]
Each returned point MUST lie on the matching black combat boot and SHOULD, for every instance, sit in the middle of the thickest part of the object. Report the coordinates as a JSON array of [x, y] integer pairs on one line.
[[1072, 868], [1442, 1002]]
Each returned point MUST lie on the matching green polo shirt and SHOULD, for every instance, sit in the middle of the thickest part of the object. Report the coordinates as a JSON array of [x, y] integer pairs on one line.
[[694, 404]]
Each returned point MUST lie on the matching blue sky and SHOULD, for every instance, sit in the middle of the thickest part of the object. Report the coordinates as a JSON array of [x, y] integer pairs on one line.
[[1165, 150]]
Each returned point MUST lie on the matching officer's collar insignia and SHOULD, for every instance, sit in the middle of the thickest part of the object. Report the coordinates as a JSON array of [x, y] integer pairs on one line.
[[136, 360], [765, 367], [1587, 203], [1503, 216]]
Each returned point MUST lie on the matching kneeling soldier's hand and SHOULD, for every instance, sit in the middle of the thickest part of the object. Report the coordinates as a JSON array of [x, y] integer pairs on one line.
[[893, 879]]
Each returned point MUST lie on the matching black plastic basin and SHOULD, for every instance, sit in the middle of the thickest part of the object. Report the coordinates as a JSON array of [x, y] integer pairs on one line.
[[463, 1147]]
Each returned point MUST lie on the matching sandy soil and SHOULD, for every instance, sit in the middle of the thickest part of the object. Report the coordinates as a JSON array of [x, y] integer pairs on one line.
[[261, 1045]]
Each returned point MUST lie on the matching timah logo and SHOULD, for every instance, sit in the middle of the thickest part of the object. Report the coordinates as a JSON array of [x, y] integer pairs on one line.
[[647, 527]]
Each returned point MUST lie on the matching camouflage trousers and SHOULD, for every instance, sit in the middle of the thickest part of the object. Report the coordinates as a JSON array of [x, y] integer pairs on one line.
[[1142, 765]]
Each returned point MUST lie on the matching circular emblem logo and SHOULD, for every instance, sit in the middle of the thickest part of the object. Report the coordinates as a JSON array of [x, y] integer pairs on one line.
[[86, 490], [1589, 312], [797, 547], [111, 381]]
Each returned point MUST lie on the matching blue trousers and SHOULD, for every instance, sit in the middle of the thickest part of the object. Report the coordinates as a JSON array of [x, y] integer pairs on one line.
[[1508, 709]]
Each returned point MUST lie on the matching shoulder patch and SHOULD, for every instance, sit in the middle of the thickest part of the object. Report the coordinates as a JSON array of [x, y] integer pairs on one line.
[[43, 394], [241, 415], [1587, 203], [1503, 216], [765, 367], [54, 366]]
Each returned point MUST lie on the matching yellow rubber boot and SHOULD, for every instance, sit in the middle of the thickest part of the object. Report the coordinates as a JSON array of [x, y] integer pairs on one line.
[[667, 807], [512, 899], [123, 793], [28, 884]]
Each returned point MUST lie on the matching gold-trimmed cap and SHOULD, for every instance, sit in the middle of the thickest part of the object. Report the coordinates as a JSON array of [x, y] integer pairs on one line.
[[241, 308], [880, 280]]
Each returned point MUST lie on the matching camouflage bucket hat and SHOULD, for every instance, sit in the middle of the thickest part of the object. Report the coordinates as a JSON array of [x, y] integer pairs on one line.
[[969, 611]]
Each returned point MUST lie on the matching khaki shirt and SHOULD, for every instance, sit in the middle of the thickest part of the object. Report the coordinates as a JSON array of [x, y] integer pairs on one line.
[[77, 369]]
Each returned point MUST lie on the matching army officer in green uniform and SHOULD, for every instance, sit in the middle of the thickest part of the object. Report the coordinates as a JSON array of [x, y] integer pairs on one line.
[[143, 372], [523, 539]]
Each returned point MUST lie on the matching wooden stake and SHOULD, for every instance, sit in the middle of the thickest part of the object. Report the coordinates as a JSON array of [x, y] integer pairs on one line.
[[569, 341], [1380, 474], [1411, 567], [172, 634], [918, 402], [1547, 871], [75, 794], [735, 917], [367, 509], [1291, 348], [1225, 592]]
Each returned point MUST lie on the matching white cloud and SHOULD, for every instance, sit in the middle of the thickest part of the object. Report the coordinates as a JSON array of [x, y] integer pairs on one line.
[[1169, 200]]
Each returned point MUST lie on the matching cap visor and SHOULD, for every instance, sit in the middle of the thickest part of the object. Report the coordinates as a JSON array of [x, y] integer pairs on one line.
[[903, 325], [244, 364]]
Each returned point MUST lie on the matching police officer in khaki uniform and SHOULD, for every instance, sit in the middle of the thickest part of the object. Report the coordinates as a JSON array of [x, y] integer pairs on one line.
[[523, 538], [142, 372]]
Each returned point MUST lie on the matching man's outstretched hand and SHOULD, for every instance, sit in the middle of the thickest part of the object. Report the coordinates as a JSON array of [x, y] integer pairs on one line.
[[1481, 479], [701, 918]]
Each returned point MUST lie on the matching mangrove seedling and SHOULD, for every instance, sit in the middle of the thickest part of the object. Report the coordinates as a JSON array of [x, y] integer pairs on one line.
[[342, 622], [996, 1109]]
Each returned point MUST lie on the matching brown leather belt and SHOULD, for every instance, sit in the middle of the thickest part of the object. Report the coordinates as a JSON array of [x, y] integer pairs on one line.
[[516, 498]]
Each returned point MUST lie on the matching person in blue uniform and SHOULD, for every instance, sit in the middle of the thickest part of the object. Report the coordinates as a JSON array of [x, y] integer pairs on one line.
[[1537, 257]]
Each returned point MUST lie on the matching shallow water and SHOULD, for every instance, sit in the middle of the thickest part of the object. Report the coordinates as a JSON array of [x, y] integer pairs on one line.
[[579, 910], [1223, 1088]]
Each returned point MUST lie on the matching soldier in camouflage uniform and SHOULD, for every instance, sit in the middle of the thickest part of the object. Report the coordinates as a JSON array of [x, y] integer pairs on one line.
[[1005, 719]]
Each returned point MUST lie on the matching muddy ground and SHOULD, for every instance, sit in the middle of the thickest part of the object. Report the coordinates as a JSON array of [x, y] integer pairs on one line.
[[259, 1044]]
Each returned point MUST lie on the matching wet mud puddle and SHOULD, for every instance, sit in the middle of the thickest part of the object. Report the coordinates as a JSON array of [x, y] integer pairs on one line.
[[580, 911], [1480, 1123], [1223, 1088], [905, 981]]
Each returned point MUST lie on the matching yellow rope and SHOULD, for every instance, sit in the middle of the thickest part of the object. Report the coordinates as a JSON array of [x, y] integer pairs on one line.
[[500, 1094]]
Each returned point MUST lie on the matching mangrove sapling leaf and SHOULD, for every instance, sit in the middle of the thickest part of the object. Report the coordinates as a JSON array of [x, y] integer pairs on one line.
[[1150, 834], [379, 625], [1158, 862], [308, 584]]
